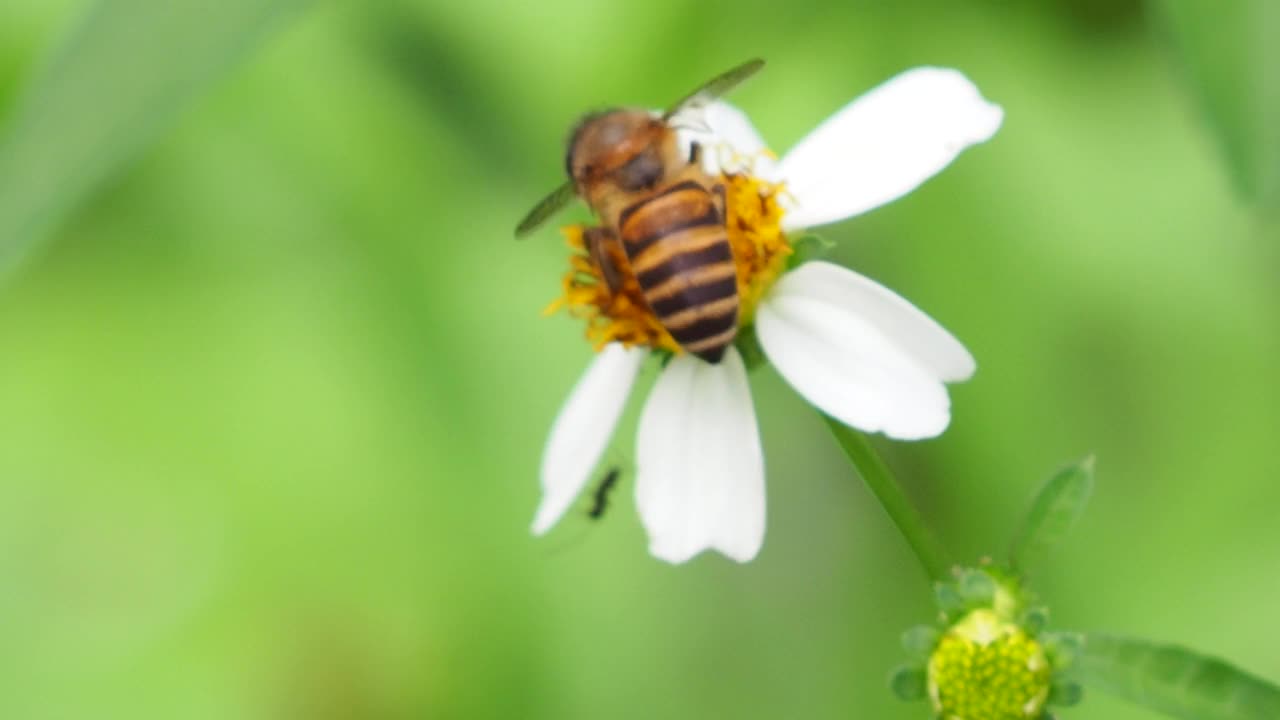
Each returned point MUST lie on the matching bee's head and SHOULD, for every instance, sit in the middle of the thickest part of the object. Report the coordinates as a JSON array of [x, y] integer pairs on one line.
[[630, 149]]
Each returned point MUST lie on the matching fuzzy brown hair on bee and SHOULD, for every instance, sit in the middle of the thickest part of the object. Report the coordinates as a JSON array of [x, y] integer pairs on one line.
[[624, 151]]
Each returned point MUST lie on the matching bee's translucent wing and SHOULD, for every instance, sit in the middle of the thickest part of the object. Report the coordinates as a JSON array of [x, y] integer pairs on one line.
[[549, 206], [716, 86]]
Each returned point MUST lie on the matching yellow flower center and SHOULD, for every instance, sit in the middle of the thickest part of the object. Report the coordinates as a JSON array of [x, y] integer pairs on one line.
[[753, 220], [987, 668]]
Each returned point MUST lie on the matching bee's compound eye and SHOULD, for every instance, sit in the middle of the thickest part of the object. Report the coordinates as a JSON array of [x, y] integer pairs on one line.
[[641, 172]]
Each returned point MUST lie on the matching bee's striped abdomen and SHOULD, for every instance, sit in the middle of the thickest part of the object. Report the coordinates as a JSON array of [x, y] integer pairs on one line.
[[679, 251]]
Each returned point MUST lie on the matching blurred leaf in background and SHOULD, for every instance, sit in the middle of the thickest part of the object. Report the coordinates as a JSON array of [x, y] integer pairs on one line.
[[1178, 682], [1230, 57], [272, 400], [1054, 511], [115, 82]]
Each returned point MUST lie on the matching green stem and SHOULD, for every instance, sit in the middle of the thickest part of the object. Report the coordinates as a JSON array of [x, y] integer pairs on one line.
[[895, 502]]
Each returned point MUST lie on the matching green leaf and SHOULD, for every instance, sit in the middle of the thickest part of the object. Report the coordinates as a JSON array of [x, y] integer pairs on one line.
[[1227, 54], [115, 82], [1174, 681], [809, 246], [1053, 512]]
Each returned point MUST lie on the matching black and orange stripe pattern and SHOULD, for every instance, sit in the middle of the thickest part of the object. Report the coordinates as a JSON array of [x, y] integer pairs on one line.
[[679, 251]]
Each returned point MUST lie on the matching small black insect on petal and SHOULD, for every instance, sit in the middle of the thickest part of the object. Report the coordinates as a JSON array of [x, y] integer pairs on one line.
[[600, 497]]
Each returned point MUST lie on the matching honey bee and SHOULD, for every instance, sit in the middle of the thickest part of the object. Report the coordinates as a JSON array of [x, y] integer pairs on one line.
[[664, 209]]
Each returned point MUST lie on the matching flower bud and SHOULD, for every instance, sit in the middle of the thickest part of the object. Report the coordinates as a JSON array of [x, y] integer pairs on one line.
[[987, 668], [989, 660]]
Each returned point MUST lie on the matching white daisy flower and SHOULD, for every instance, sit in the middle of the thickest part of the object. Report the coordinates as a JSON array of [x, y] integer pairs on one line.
[[852, 348]]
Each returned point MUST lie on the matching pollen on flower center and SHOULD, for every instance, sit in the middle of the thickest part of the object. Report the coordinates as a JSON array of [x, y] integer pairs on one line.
[[760, 249], [621, 316], [987, 668]]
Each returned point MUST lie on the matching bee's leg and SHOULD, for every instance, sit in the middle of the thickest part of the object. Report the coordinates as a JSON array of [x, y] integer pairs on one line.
[[598, 239], [718, 192], [695, 153]]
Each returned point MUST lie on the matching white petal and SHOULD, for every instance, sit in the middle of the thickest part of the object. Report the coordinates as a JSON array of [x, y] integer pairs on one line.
[[730, 142], [884, 144], [699, 466], [915, 333], [858, 352], [732, 126], [583, 428]]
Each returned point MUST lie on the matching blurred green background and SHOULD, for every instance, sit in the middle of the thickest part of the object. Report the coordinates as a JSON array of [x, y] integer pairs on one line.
[[272, 399]]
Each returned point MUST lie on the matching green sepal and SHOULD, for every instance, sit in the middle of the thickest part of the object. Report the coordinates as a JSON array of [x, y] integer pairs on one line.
[[920, 641], [948, 598], [1174, 680], [908, 683], [1034, 620], [976, 588], [1065, 694], [1062, 648], [748, 345], [808, 247], [1055, 509]]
